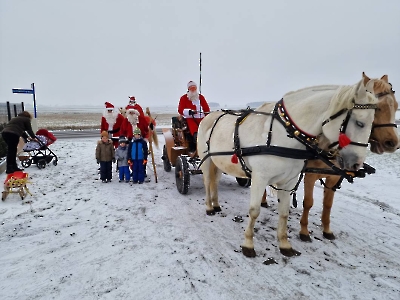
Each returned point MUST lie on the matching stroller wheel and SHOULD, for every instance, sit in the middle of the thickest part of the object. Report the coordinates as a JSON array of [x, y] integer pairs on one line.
[[41, 164], [26, 163], [55, 162]]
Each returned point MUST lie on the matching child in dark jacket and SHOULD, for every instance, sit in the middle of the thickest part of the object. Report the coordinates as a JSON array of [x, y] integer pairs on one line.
[[105, 156], [137, 153], [121, 155]]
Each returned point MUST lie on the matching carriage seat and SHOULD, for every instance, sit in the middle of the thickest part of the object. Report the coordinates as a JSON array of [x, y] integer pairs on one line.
[[181, 133]]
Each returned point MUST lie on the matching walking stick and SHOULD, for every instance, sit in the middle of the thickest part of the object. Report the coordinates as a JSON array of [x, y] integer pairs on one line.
[[151, 145]]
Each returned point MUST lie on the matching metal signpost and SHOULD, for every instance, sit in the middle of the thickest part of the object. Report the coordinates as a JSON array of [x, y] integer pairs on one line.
[[29, 91]]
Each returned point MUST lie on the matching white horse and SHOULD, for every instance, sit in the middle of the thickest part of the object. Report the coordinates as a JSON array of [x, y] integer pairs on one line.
[[343, 113]]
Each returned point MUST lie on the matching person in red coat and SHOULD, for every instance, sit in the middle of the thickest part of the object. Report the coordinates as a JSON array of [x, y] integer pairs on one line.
[[143, 123], [193, 107], [111, 121], [130, 122]]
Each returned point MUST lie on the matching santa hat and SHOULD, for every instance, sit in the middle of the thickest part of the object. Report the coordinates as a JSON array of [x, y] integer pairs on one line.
[[191, 83], [109, 106], [137, 131], [132, 98], [132, 109]]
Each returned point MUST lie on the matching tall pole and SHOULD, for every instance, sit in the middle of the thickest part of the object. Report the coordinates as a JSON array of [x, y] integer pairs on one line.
[[34, 100], [200, 75]]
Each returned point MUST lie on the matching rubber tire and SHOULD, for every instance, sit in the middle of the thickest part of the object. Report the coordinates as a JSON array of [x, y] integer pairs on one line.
[[244, 182], [166, 162], [41, 164], [26, 163], [182, 175]]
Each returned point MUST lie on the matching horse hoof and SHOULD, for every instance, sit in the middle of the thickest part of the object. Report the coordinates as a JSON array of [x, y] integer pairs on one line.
[[305, 237], [248, 252], [210, 212], [329, 236], [264, 204], [217, 208], [289, 252]]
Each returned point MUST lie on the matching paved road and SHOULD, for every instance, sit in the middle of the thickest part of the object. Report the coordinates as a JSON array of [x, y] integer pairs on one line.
[[70, 134]]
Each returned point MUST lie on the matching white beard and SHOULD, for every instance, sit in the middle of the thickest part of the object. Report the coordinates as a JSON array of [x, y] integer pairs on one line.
[[110, 118], [132, 118], [193, 96]]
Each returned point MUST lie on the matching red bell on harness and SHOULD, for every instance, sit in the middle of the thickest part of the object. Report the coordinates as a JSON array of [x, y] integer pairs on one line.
[[343, 140], [234, 159]]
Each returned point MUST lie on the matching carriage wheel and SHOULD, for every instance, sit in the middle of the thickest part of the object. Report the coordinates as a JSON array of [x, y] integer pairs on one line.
[[244, 182], [26, 163], [41, 164], [167, 163], [182, 174]]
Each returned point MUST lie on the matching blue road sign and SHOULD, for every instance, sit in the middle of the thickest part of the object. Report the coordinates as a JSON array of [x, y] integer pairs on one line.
[[22, 91]]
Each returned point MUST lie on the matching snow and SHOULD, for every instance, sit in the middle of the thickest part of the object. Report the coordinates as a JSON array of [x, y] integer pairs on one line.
[[78, 238]]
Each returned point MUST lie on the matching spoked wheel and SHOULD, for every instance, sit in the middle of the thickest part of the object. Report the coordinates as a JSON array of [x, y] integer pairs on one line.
[[41, 164], [26, 163], [182, 174], [244, 182], [167, 163]]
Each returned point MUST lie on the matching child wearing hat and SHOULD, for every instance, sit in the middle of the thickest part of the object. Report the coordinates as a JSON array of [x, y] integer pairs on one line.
[[121, 155], [105, 156], [137, 154]]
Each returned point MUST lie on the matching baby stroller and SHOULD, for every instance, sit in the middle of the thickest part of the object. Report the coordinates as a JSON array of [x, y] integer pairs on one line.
[[38, 152]]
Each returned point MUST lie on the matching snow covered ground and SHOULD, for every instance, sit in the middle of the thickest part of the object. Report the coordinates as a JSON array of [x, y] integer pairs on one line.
[[77, 238]]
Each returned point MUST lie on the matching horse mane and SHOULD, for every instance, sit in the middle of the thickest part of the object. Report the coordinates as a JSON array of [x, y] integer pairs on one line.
[[343, 98], [379, 83]]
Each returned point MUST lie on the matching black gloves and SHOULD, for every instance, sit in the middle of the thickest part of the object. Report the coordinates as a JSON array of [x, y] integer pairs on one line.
[[192, 112]]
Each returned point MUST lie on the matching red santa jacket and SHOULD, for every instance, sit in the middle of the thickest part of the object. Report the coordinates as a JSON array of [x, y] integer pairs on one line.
[[143, 123], [127, 129], [113, 132], [201, 106]]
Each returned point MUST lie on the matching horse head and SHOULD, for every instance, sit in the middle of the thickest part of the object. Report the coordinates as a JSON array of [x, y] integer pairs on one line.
[[122, 111], [384, 136], [352, 111]]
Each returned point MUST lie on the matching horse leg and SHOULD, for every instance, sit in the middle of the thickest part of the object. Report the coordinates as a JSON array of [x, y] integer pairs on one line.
[[210, 184], [257, 188], [327, 206], [264, 202], [308, 202], [283, 208], [214, 187]]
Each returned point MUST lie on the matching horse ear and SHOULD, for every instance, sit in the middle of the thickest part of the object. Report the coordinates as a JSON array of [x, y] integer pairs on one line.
[[385, 78], [366, 78]]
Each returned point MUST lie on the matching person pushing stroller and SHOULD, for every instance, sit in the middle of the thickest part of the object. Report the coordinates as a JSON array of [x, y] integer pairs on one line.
[[137, 156]]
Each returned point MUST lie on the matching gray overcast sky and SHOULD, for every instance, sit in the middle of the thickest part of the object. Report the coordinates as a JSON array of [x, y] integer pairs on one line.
[[91, 51]]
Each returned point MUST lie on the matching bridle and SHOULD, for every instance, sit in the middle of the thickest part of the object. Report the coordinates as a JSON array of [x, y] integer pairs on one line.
[[379, 95], [343, 139]]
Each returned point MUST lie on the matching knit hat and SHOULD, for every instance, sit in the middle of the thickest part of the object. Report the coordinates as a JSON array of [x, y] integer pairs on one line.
[[122, 139], [109, 106], [191, 83], [137, 131], [104, 133]]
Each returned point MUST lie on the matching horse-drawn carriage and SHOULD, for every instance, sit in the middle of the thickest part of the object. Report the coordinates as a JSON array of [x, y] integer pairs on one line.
[[177, 153]]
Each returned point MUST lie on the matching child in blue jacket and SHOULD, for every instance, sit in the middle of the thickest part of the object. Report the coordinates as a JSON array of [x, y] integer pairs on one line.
[[137, 155]]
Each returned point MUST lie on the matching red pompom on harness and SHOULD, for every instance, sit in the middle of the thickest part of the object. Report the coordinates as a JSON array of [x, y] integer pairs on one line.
[[234, 159], [343, 140]]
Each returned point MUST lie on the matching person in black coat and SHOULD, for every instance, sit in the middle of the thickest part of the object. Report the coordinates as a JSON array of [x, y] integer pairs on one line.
[[11, 133]]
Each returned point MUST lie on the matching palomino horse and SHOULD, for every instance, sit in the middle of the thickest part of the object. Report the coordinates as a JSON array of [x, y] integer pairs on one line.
[[384, 138], [345, 114]]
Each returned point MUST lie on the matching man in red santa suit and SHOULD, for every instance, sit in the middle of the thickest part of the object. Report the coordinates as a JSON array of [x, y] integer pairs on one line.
[[111, 122], [143, 123], [130, 123], [193, 107]]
